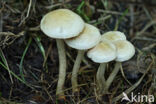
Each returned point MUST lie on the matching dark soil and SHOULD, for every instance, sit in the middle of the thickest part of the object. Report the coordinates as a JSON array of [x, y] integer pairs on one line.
[[19, 26]]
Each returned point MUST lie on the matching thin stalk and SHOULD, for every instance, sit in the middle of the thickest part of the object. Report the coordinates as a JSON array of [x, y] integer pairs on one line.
[[62, 68], [127, 91], [100, 77], [76, 69], [22, 59], [112, 76]]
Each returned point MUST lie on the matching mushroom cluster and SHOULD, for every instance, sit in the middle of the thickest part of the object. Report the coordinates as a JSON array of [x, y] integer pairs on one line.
[[65, 25], [88, 38], [61, 24], [113, 46]]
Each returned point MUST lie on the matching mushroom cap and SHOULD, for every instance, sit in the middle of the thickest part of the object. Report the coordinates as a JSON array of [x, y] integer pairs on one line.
[[113, 36], [125, 50], [102, 52], [88, 38], [62, 24]]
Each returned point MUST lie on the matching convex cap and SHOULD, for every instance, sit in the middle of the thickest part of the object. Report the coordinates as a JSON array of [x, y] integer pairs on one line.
[[102, 52], [87, 39], [62, 24], [125, 50], [113, 36]]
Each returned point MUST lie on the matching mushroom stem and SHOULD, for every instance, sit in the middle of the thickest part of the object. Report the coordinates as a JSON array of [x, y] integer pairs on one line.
[[100, 77], [111, 77], [62, 68], [76, 69]]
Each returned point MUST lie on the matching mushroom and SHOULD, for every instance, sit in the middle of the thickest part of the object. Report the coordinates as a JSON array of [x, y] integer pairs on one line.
[[110, 36], [61, 24], [113, 36], [125, 51], [103, 53], [87, 39]]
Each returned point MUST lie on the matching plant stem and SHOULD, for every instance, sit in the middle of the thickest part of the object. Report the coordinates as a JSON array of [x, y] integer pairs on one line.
[[62, 68], [100, 77], [112, 76], [76, 69], [127, 91]]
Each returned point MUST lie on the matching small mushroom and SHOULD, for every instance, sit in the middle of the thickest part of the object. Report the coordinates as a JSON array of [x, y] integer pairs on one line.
[[87, 39], [113, 36], [125, 51], [103, 53], [110, 36], [61, 24]]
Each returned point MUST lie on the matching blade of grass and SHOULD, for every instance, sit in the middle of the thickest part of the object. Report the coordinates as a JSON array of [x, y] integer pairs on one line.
[[120, 19], [105, 4], [80, 6], [12, 73], [22, 59], [38, 41], [6, 64], [81, 12], [34, 75]]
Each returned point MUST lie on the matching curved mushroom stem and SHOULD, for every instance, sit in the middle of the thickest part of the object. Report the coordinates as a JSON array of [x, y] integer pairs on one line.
[[111, 77], [76, 69], [100, 77], [62, 68]]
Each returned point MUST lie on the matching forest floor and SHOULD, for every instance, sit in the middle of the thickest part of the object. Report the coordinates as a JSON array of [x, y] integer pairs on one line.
[[29, 59]]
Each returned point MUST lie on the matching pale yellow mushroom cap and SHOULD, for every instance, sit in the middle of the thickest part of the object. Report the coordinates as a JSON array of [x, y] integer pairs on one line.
[[113, 36], [102, 52], [87, 39], [125, 50], [62, 24]]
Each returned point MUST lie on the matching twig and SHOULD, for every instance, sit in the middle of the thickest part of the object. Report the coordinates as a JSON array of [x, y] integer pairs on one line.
[[148, 14], [145, 38], [37, 28], [146, 27], [115, 12], [122, 72], [133, 86], [1, 29], [53, 6], [48, 94], [6, 36], [100, 19], [131, 18], [27, 15], [149, 47], [7, 66]]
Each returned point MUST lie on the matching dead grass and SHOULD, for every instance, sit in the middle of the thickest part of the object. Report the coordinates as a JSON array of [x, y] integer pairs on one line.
[[29, 61]]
